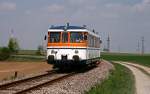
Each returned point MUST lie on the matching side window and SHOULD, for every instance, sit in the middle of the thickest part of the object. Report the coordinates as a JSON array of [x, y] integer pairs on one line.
[[65, 37], [85, 36], [90, 40]]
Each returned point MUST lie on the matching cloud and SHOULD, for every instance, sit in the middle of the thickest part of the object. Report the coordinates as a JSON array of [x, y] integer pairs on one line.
[[54, 8], [27, 12], [7, 6], [120, 19], [79, 1], [144, 5]]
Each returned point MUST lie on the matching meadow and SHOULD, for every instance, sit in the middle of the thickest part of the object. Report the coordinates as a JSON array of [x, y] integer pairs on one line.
[[134, 58], [27, 56]]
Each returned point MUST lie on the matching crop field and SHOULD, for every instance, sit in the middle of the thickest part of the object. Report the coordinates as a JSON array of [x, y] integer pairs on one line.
[[25, 62], [135, 58], [8, 69]]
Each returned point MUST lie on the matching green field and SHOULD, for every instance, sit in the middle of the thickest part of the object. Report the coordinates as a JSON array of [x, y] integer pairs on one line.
[[27, 56], [27, 52], [120, 81], [135, 58]]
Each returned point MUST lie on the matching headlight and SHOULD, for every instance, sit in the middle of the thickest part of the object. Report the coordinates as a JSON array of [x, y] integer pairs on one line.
[[53, 52], [76, 51]]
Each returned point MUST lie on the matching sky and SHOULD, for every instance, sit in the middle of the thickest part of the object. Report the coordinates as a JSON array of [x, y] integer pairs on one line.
[[125, 21]]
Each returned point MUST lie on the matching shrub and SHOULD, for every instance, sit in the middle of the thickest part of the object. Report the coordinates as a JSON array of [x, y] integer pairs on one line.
[[4, 53], [13, 45]]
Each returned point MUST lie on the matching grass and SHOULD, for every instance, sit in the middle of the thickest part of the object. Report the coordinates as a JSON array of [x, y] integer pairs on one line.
[[120, 81], [12, 77], [27, 52], [27, 58], [135, 58]]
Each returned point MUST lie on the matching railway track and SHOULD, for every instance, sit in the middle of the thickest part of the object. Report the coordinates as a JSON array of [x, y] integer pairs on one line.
[[26, 85]]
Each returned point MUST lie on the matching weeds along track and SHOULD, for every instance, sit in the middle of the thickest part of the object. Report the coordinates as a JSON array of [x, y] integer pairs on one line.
[[26, 85]]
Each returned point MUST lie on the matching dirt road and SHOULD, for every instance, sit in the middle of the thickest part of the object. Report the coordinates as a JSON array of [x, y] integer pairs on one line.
[[142, 80]]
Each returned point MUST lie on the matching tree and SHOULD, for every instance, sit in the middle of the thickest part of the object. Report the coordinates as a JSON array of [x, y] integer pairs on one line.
[[13, 45]]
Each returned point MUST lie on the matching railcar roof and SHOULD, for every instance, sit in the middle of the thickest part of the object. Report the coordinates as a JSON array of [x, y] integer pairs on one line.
[[71, 28], [67, 27]]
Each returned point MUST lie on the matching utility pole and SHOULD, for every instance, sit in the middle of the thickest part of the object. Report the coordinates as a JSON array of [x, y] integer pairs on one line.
[[108, 44], [138, 47], [143, 48]]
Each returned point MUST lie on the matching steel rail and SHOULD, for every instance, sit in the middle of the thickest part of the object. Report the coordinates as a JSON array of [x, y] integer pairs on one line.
[[50, 82], [10, 84]]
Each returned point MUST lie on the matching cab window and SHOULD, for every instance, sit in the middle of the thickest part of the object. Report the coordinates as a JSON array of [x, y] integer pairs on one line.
[[76, 37], [54, 37]]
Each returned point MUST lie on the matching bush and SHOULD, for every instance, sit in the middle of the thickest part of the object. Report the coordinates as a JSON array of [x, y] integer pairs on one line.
[[4, 53], [13, 45]]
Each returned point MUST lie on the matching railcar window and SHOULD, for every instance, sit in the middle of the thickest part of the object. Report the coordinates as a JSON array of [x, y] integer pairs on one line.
[[76, 37], [85, 37], [54, 37], [65, 37]]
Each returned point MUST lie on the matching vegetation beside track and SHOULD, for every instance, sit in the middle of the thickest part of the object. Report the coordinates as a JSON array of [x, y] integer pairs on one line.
[[4, 53], [135, 58], [30, 52], [27, 52], [26, 58], [120, 81], [21, 55]]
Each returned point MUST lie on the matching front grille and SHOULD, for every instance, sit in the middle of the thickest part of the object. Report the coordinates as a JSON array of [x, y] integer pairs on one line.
[[64, 57]]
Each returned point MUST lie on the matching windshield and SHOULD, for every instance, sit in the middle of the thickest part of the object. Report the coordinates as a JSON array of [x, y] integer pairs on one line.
[[54, 37], [76, 37]]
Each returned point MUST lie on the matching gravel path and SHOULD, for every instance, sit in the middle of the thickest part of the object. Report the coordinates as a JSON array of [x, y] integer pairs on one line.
[[79, 83], [147, 69], [142, 80]]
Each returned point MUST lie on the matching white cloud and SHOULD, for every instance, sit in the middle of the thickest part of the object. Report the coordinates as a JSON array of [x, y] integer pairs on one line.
[[78, 1], [122, 21], [144, 5], [55, 8], [119, 7], [7, 6], [27, 12]]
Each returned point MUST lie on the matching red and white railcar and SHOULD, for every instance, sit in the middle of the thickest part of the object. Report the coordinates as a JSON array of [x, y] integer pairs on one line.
[[72, 45]]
